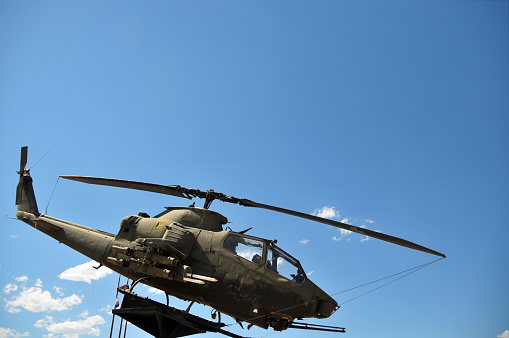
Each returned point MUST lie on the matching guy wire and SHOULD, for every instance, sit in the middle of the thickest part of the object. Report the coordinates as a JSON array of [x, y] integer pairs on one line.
[[412, 270], [33, 165], [54, 188]]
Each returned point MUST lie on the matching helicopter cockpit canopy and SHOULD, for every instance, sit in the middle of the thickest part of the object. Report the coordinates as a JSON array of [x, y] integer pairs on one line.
[[280, 262], [260, 251]]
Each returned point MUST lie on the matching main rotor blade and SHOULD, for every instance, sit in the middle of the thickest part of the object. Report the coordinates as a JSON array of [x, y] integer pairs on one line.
[[353, 228], [177, 190], [23, 159], [174, 190]]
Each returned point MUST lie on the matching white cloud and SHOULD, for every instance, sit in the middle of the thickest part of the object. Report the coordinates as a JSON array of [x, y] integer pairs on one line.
[[72, 329], [58, 290], [304, 241], [36, 300], [84, 314], [85, 273], [38, 283], [364, 239], [309, 273], [326, 212], [21, 279], [504, 334], [10, 288], [14, 236], [344, 232], [8, 333], [107, 309], [156, 291]]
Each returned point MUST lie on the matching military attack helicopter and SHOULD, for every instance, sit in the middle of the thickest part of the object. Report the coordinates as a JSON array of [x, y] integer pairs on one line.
[[185, 252]]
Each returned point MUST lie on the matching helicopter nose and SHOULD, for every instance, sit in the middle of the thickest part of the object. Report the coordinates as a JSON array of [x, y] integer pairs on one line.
[[326, 307], [325, 304]]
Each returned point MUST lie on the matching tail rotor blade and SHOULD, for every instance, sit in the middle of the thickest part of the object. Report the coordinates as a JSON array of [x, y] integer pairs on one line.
[[19, 192], [23, 160], [22, 165]]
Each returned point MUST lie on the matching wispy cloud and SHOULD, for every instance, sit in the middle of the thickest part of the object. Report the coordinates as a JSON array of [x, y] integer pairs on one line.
[[21, 279], [83, 314], [72, 329], [347, 220], [331, 212], [10, 288], [326, 212], [107, 309], [344, 232], [85, 273], [364, 239], [304, 241], [10, 333]]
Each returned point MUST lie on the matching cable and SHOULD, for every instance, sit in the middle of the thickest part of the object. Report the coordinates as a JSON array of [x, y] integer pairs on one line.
[[40, 159], [414, 269], [54, 188], [410, 271]]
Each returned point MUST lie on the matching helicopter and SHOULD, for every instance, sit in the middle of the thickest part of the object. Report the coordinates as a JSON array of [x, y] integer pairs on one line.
[[186, 253]]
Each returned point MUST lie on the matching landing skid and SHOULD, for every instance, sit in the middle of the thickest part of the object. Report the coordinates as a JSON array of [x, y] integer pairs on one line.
[[164, 321]]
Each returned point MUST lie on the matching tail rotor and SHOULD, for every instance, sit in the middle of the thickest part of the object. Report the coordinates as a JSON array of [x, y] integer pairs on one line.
[[21, 172], [25, 196]]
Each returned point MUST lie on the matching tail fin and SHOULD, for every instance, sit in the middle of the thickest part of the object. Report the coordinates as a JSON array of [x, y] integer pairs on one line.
[[25, 196]]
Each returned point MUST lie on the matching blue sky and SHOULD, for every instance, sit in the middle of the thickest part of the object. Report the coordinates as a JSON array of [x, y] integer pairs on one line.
[[394, 115]]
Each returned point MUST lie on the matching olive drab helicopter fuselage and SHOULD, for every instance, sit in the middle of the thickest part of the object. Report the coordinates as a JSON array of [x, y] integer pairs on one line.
[[185, 252]]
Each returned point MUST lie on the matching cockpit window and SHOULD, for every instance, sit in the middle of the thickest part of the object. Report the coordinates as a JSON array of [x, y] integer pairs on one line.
[[247, 248], [286, 266]]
